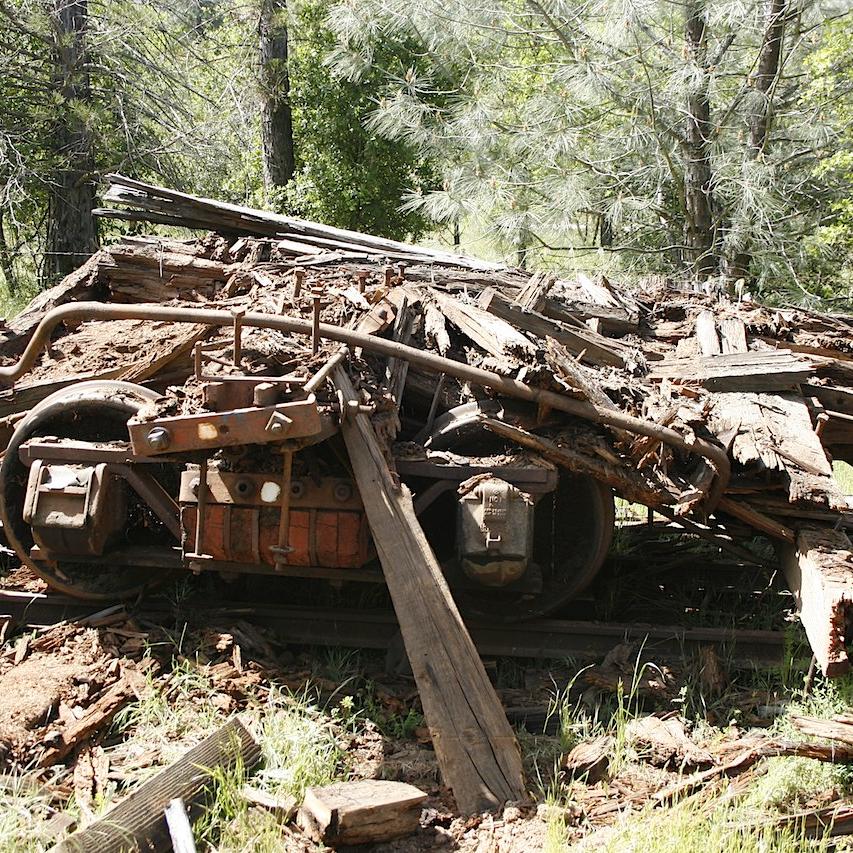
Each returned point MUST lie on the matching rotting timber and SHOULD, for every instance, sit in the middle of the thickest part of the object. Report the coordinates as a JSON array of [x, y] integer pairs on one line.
[[212, 405]]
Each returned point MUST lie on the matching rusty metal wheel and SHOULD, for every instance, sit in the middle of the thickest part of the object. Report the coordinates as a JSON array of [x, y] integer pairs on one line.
[[90, 411], [573, 526]]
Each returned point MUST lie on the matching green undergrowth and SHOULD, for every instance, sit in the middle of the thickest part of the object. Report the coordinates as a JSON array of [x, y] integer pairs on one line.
[[702, 826], [752, 820]]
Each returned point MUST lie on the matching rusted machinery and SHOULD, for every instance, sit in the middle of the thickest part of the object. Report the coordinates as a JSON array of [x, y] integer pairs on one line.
[[103, 494], [514, 406]]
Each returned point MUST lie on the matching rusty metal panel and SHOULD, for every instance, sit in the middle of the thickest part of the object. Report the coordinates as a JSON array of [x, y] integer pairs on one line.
[[336, 493], [225, 429], [325, 538]]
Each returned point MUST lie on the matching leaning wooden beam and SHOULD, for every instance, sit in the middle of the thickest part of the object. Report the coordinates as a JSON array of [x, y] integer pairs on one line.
[[819, 571], [476, 748], [139, 822]]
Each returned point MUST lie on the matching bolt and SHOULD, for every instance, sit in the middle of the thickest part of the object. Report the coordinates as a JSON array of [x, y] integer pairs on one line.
[[298, 279], [342, 492], [275, 427], [361, 279], [159, 439], [316, 305]]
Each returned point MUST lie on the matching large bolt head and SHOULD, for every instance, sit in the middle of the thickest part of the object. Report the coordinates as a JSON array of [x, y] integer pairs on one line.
[[159, 439]]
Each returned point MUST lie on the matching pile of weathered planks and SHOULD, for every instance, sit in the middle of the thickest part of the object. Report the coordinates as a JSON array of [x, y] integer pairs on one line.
[[659, 377]]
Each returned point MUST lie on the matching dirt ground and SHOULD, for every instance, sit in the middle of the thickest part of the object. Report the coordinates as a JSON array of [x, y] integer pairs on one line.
[[179, 682]]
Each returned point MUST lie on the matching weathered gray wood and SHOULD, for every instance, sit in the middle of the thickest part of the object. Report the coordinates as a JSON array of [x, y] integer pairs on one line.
[[596, 349], [220, 215], [615, 321], [493, 334], [475, 746], [774, 431], [138, 821], [364, 812], [819, 571], [772, 370], [733, 335], [706, 334]]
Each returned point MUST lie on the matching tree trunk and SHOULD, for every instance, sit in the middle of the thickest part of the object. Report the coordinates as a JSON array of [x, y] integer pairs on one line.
[[276, 116], [761, 113], [71, 231], [6, 261], [605, 230], [769, 63], [696, 151]]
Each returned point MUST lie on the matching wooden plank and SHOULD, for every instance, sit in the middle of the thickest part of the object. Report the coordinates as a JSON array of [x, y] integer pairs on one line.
[[750, 371], [596, 348], [733, 335], [530, 296], [493, 334], [216, 215], [706, 334], [615, 321], [368, 811], [819, 571], [774, 431], [476, 748], [138, 821]]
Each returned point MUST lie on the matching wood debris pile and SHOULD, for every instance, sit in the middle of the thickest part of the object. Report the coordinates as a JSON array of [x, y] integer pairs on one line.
[[643, 390]]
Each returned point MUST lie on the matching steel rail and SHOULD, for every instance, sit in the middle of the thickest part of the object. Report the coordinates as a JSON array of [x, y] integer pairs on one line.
[[377, 629], [715, 454]]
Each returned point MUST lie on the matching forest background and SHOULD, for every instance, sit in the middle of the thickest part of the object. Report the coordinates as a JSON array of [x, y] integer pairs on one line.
[[708, 140]]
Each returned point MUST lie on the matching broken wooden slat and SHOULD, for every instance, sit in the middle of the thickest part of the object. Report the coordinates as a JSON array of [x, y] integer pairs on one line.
[[489, 332], [819, 571], [733, 335], [139, 820], [363, 812], [774, 370], [596, 349], [706, 334], [475, 746], [664, 743], [756, 519], [97, 716], [615, 321], [839, 728], [774, 431], [531, 296]]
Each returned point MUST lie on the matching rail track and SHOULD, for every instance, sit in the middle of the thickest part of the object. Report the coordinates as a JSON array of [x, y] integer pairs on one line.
[[377, 629]]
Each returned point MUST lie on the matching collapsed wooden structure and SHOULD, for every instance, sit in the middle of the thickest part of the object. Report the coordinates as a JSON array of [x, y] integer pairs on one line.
[[723, 416]]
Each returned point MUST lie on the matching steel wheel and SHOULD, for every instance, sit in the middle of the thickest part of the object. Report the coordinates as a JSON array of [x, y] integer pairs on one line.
[[573, 527], [92, 411]]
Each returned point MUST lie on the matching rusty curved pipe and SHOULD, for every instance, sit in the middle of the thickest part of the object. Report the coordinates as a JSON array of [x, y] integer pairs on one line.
[[713, 453]]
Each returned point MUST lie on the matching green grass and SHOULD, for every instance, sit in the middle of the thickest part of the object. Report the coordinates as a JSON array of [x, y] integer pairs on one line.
[[25, 811], [697, 825]]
